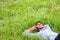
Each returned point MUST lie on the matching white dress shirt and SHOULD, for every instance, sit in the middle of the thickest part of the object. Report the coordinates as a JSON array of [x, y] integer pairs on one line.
[[45, 33]]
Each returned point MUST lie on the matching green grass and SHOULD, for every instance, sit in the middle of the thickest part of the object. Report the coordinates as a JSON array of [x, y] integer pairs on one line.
[[18, 15]]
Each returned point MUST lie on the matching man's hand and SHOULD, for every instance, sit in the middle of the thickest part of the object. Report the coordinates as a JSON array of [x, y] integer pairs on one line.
[[31, 29]]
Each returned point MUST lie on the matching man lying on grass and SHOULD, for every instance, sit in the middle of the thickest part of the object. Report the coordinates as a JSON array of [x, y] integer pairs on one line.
[[43, 30]]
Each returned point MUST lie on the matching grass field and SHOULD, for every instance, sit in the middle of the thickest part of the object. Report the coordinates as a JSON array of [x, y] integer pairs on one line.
[[18, 15]]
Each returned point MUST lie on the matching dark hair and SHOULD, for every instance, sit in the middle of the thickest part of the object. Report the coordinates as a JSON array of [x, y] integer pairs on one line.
[[38, 22]]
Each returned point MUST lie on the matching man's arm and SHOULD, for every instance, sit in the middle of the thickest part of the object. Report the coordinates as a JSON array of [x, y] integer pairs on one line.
[[28, 31], [31, 29]]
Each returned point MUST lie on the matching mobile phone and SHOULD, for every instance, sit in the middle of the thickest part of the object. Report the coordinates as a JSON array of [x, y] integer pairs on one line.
[[36, 27]]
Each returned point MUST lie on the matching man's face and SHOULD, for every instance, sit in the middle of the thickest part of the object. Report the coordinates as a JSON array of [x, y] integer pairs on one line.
[[39, 26]]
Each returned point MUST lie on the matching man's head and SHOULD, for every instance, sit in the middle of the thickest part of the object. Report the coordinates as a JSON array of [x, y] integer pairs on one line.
[[39, 25]]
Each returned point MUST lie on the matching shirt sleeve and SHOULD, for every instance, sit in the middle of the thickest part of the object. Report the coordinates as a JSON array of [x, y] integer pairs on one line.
[[47, 27], [27, 33]]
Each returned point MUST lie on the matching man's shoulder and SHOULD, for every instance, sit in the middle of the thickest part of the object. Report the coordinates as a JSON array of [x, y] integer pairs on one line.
[[46, 25]]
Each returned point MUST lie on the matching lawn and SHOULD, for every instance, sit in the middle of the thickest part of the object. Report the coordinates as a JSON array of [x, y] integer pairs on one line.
[[19, 15]]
